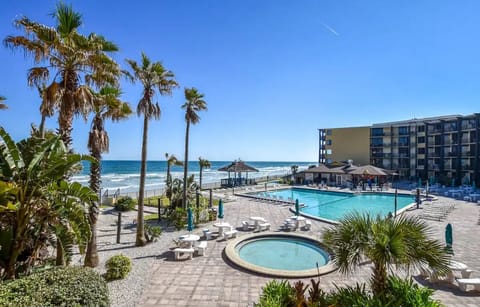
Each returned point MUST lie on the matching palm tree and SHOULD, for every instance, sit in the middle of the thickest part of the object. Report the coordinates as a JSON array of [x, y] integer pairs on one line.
[[171, 161], [107, 105], [204, 163], [153, 76], [2, 105], [402, 242], [69, 57], [194, 104]]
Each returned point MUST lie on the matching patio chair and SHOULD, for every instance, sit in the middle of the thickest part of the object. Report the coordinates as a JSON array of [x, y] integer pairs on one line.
[[464, 282], [202, 246]]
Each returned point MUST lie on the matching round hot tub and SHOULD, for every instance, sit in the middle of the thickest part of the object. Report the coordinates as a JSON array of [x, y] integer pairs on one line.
[[281, 255]]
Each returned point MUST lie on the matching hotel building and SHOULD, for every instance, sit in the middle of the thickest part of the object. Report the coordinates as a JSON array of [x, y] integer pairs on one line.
[[444, 147]]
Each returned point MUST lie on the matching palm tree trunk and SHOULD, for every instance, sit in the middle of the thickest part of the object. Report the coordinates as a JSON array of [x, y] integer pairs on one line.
[[185, 167], [60, 260], [201, 169], [169, 185], [379, 279], [42, 127], [91, 255], [140, 240]]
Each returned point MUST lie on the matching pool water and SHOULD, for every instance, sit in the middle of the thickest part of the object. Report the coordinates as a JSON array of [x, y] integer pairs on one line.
[[335, 205], [289, 254]]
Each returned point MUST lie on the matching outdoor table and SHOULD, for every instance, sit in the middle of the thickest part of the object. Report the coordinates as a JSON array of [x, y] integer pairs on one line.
[[257, 220], [456, 266], [190, 238], [298, 219], [221, 226]]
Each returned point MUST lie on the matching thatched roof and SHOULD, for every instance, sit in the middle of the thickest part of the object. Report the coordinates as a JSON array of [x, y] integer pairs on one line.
[[369, 170], [321, 168], [238, 167]]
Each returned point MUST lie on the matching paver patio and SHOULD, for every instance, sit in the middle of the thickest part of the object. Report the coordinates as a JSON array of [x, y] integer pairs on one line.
[[211, 281]]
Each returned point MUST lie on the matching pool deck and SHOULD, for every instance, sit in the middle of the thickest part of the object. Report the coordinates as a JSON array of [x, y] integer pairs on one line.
[[211, 281]]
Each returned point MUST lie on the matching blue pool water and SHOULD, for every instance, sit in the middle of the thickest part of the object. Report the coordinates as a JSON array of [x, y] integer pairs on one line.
[[280, 253], [335, 205]]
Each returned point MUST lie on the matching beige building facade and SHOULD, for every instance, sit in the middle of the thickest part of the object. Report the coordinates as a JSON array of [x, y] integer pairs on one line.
[[342, 144]]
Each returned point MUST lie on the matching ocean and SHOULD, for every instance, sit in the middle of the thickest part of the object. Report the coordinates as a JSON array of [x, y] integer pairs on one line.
[[125, 175]]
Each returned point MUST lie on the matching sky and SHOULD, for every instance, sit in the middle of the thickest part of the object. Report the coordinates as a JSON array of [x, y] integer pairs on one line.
[[272, 71]]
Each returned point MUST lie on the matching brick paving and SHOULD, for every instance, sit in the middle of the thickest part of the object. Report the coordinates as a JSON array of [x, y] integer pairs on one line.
[[211, 281]]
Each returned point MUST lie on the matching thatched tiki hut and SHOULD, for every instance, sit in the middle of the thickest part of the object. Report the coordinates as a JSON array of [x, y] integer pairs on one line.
[[318, 174], [237, 168]]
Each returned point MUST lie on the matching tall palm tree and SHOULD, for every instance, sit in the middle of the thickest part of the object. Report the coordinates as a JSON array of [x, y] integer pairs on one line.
[[2, 105], [75, 61], [153, 76], [203, 163], [192, 106], [399, 242], [107, 105], [171, 161]]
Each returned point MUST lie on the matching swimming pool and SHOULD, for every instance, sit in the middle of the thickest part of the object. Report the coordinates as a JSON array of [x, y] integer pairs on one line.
[[285, 255], [333, 206]]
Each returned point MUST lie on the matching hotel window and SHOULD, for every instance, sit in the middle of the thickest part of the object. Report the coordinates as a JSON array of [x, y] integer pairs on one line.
[[421, 151], [329, 131], [329, 151], [377, 131], [329, 142], [421, 128], [403, 130]]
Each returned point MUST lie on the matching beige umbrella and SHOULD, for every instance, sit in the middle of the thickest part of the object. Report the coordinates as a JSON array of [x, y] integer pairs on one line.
[[368, 170]]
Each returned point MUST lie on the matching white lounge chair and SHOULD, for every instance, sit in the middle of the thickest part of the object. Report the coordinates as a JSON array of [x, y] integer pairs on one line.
[[464, 282], [181, 251], [207, 234]]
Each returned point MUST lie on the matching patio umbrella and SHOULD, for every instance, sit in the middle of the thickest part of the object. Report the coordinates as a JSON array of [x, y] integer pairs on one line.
[[220, 209], [419, 182], [297, 207], [432, 180], [453, 182], [449, 238], [189, 219], [396, 195]]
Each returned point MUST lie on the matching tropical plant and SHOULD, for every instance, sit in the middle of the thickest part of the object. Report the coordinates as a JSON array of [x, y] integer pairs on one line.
[[106, 106], [171, 161], [153, 76], [69, 57], [41, 204], [401, 242], [60, 286], [118, 267], [203, 163], [192, 106], [294, 169], [177, 191], [152, 232], [277, 294], [2, 105], [125, 203]]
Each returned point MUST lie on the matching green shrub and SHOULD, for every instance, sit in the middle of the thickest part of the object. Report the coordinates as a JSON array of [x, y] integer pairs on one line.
[[409, 293], [152, 232], [125, 204], [118, 267], [60, 286], [277, 294], [178, 218]]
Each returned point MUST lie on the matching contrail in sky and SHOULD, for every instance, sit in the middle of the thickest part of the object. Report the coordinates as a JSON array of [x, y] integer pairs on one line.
[[330, 29]]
